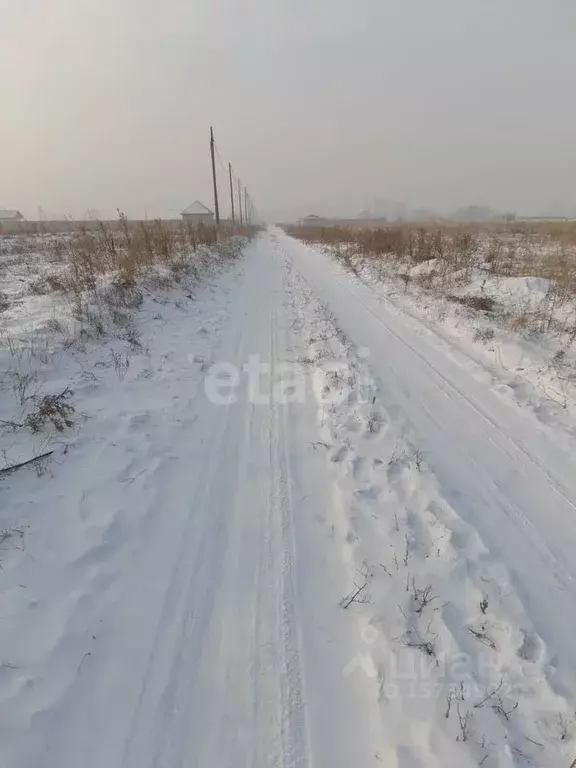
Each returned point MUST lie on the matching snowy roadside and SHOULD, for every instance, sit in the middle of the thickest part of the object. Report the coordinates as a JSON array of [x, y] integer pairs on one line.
[[66, 323], [536, 369], [516, 332], [72, 520], [446, 630], [63, 371]]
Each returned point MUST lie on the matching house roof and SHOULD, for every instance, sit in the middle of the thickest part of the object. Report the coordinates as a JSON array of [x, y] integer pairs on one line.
[[7, 213], [198, 208]]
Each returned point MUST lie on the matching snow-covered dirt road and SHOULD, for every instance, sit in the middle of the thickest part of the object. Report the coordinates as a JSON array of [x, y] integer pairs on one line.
[[306, 533]]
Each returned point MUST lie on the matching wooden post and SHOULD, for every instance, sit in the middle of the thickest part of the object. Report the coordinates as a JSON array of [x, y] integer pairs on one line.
[[246, 206], [216, 206], [231, 192], [240, 202]]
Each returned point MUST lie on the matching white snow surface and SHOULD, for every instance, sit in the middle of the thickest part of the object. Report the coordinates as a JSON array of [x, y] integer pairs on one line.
[[378, 573]]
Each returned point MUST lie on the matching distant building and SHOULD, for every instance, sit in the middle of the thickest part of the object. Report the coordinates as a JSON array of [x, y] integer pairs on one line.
[[197, 213], [314, 221], [318, 221], [7, 214]]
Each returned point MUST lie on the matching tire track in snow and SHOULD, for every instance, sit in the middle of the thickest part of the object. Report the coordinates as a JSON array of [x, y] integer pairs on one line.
[[178, 595], [294, 730]]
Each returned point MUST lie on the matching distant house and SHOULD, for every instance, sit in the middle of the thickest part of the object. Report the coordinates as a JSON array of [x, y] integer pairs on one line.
[[197, 213], [7, 214], [311, 220]]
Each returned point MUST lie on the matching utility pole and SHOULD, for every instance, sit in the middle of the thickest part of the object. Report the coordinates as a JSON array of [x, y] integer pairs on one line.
[[231, 192], [240, 202], [246, 206], [216, 206]]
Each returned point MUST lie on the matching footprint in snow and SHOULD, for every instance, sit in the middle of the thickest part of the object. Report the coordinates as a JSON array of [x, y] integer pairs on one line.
[[532, 648], [368, 493], [137, 421], [339, 454], [358, 468]]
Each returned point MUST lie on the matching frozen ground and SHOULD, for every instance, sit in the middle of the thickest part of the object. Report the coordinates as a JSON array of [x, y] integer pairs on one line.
[[299, 528]]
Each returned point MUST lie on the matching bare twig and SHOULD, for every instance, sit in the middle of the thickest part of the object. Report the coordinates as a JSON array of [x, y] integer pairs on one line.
[[464, 721], [431, 619], [318, 443], [407, 552], [521, 754], [433, 544], [402, 611], [11, 424], [422, 597], [489, 695], [14, 467], [426, 646], [483, 637], [449, 699], [501, 710], [357, 595], [417, 459], [56, 409]]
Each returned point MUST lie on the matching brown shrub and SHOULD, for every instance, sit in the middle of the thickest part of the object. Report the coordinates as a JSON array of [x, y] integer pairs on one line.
[[462, 252], [478, 303]]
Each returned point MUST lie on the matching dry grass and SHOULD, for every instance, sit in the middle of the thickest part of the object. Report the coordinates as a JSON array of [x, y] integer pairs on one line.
[[127, 251], [100, 270], [99, 277], [444, 258]]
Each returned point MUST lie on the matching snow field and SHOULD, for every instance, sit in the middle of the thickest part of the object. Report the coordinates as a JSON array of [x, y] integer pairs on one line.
[[379, 573]]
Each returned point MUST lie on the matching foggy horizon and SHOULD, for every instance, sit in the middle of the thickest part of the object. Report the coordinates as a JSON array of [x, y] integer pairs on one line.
[[321, 107]]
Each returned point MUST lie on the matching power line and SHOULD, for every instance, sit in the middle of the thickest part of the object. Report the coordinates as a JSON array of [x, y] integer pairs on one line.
[[246, 208], [231, 193], [216, 206], [219, 157]]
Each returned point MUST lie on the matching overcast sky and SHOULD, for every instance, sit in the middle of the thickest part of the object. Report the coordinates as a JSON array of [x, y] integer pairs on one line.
[[320, 105]]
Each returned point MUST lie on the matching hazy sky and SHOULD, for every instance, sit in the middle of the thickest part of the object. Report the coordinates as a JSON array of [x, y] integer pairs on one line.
[[320, 105]]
